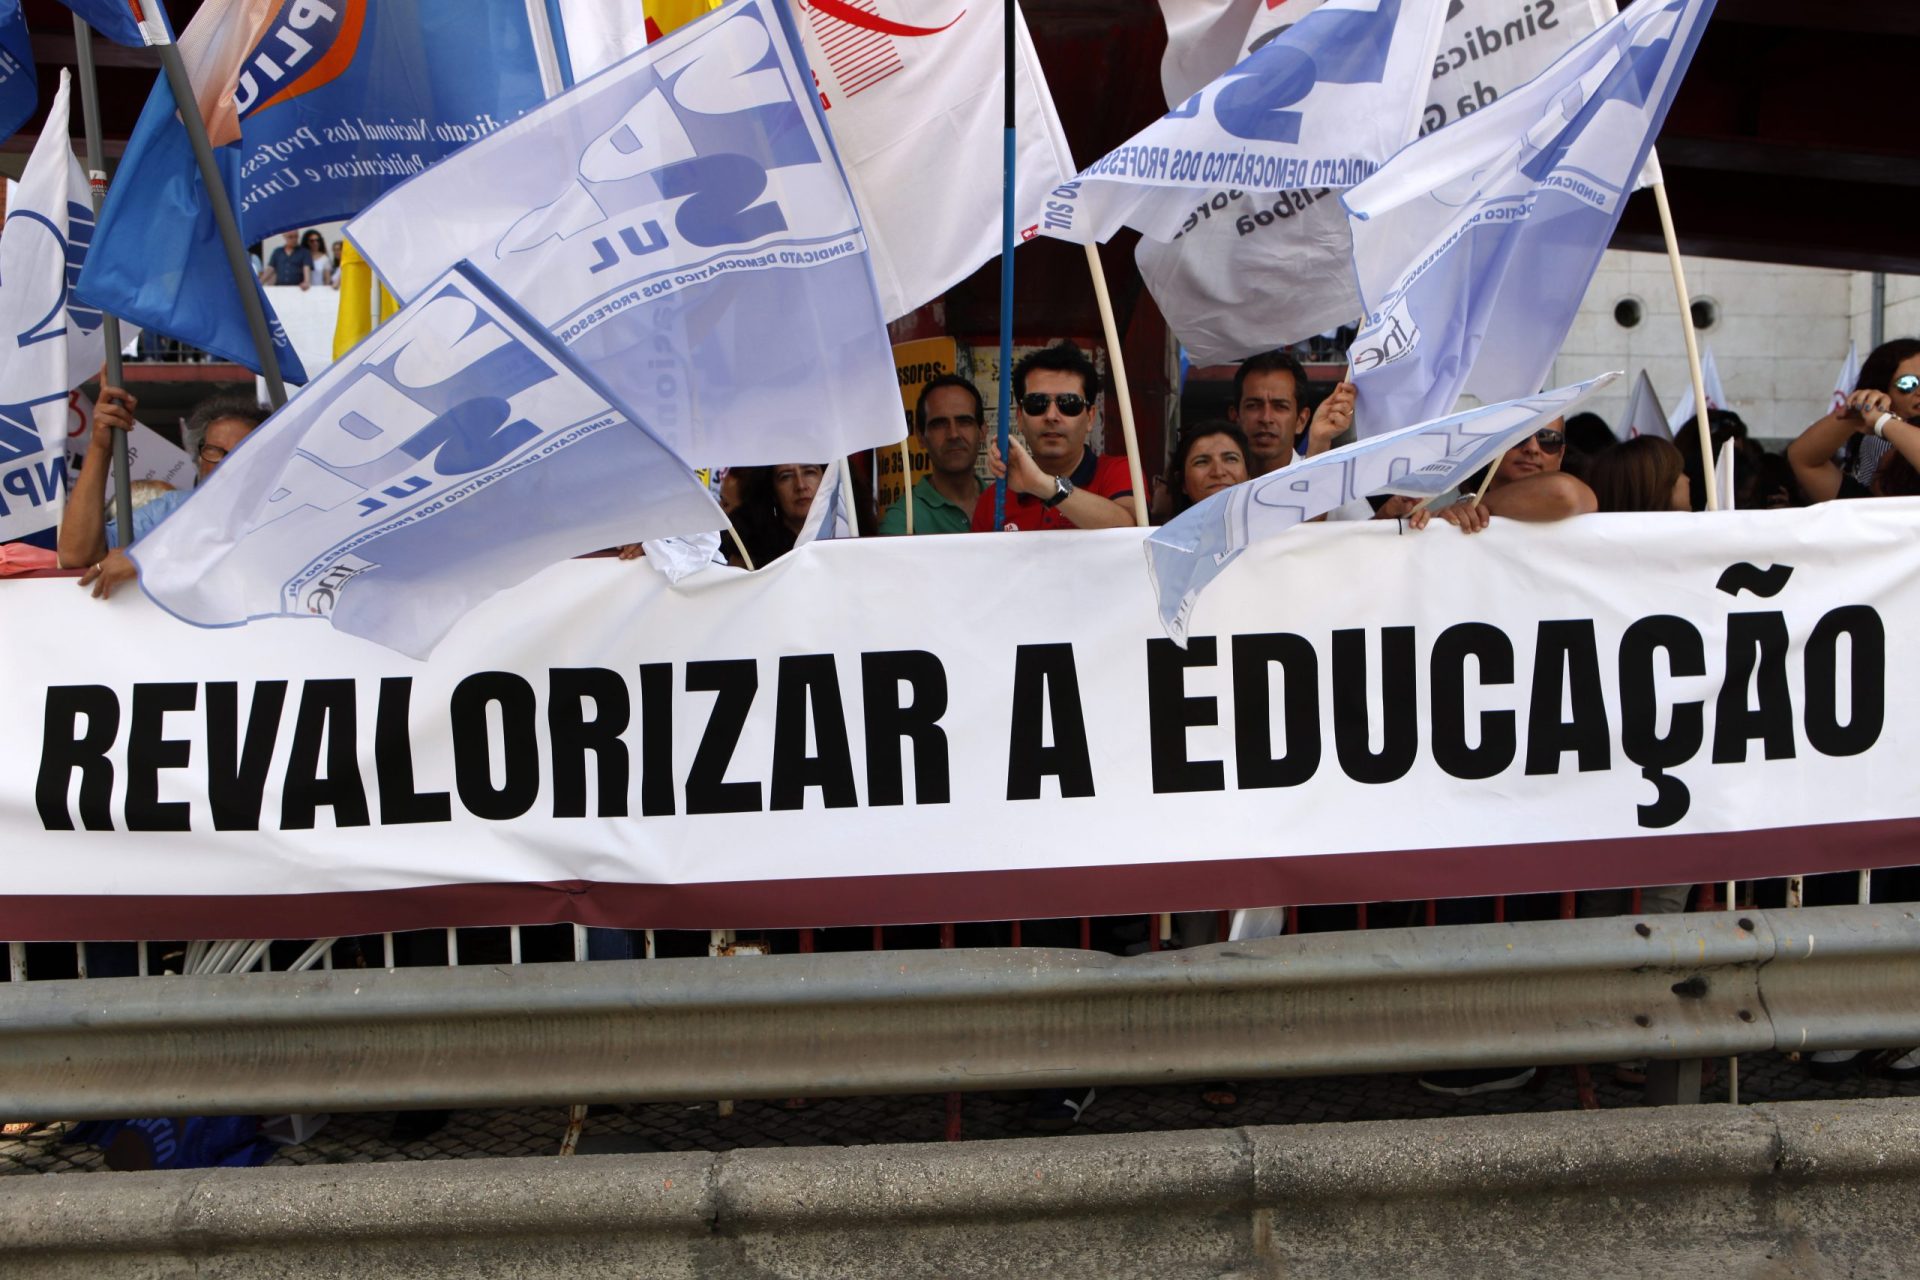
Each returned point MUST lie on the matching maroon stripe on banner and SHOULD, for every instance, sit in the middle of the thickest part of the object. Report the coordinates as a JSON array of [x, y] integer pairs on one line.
[[981, 895], [869, 79], [878, 58]]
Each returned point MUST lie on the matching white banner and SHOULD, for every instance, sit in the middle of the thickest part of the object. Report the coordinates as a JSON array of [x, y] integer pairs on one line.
[[893, 729]]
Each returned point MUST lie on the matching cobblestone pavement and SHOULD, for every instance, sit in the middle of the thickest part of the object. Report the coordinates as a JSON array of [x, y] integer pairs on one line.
[[368, 1137]]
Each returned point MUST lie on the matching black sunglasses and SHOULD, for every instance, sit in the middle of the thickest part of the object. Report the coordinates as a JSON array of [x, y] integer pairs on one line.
[[1906, 383], [1549, 440], [1072, 405]]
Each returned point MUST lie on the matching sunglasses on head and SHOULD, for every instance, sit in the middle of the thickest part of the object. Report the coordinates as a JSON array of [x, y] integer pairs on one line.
[[1549, 440], [1907, 383], [1035, 403]]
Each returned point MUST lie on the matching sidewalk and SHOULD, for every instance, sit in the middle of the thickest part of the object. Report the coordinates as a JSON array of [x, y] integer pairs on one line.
[[364, 1138]]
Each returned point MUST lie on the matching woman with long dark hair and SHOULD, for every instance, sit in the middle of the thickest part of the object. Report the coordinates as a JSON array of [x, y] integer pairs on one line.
[[1211, 456], [1885, 405], [1645, 473]]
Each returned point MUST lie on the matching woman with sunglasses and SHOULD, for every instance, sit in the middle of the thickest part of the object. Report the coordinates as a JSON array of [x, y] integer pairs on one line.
[[1885, 404], [1528, 485]]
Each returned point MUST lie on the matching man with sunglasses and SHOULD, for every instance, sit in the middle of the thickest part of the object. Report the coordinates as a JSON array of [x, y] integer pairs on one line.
[[1528, 485], [1053, 480], [90, 541]]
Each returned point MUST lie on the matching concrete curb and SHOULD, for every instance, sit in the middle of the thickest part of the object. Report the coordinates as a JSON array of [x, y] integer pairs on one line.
[[1787, 1190]]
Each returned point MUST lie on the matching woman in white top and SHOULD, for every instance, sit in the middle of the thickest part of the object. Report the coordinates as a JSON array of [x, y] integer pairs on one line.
[[316, 246]]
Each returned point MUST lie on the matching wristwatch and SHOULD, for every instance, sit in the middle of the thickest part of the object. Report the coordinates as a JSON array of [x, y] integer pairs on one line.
[[1062, 487]]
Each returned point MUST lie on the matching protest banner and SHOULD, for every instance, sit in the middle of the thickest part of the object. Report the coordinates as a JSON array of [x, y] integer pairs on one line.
[[831, 742]]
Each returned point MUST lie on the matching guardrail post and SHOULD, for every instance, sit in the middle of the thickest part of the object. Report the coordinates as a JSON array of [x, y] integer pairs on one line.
[[1672, 1081]]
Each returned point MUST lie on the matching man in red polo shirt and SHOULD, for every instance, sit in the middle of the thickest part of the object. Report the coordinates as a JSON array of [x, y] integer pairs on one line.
[[1055, 481]]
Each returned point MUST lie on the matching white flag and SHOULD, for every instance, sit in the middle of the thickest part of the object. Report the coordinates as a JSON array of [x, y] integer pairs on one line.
[[1716, 393], [1849, 377], [1322, 104], [681, 222], [1265, 270], [1421, 461], [829, 515], [1645, 417], [1474, 245], [912, 93], [1723, 475], [455, 452], [48, 343]]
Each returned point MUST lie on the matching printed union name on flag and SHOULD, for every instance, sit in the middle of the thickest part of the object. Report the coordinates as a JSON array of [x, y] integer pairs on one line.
[[1323, 104], [451, 455], [682, 222]]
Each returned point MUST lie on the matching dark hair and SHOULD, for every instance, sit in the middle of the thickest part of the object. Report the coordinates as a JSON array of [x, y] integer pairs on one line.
[[1636, 475], [230, 404], [313, 233], [947, 380], [1190, 436], [1063, 357], [766, 535], [1589, 433], [1271, 362], [1876, 371]]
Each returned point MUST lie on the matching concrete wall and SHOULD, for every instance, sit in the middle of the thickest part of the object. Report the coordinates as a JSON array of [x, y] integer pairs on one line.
[[1778, 1191]]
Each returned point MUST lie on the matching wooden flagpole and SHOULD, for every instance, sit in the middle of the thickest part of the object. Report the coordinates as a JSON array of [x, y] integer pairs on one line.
[[906, 478], [1119, 364], [1705, 432]]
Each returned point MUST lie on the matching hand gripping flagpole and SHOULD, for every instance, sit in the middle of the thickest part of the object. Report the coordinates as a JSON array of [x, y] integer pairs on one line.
[[243, 278], [109, 323], [1006, 270]]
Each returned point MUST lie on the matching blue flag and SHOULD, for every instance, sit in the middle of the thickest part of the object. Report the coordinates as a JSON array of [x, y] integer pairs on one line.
[[313, 110], [19, 88], [1474, 245], [1422, 461], [456, 451], [114, 19], [681, 221]]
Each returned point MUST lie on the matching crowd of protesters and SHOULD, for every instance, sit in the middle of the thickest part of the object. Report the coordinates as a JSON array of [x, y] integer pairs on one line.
[[1866, 446]]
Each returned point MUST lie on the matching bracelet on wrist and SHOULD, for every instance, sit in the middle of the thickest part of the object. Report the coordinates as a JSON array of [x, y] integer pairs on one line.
[[1880, 424]]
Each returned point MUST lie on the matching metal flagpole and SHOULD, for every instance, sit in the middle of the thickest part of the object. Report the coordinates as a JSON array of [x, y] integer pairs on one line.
[[1006, 268], [109, 323], [243, 278]]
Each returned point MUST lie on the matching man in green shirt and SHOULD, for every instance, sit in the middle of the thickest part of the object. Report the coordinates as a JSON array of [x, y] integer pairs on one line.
[[949, 420]]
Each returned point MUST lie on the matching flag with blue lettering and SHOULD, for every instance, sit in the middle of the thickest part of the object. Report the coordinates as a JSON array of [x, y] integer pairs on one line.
[[1474, 246], [1423, 461], [314, 110], [47, 345], [19, 87], [120, 21], [1322, 104], [681, 221], [454, 453]]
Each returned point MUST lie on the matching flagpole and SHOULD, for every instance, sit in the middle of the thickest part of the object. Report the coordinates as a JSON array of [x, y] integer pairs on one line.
[[109, 323], [1119, 384], [243, 277], [1693, 341], [906, 479], [1006, 267]]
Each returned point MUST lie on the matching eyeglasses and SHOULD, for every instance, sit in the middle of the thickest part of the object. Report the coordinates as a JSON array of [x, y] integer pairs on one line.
[[1549, 440], [213, 455], [1907, 383], [1072, 405]]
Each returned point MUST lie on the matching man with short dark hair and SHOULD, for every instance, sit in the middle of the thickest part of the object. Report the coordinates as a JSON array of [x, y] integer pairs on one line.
[[1270, 406], [90, 541], [290, 264], [949, 420], [1054, 481]]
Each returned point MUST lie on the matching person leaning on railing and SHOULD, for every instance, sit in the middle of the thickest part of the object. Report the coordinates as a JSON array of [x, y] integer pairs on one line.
[[90, 541]]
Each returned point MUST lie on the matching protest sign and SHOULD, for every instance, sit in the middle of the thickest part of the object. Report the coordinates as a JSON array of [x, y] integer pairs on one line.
[[1363, 713]]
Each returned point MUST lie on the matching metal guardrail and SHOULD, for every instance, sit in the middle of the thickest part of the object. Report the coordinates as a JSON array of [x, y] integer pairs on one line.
[[1690, 986]]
